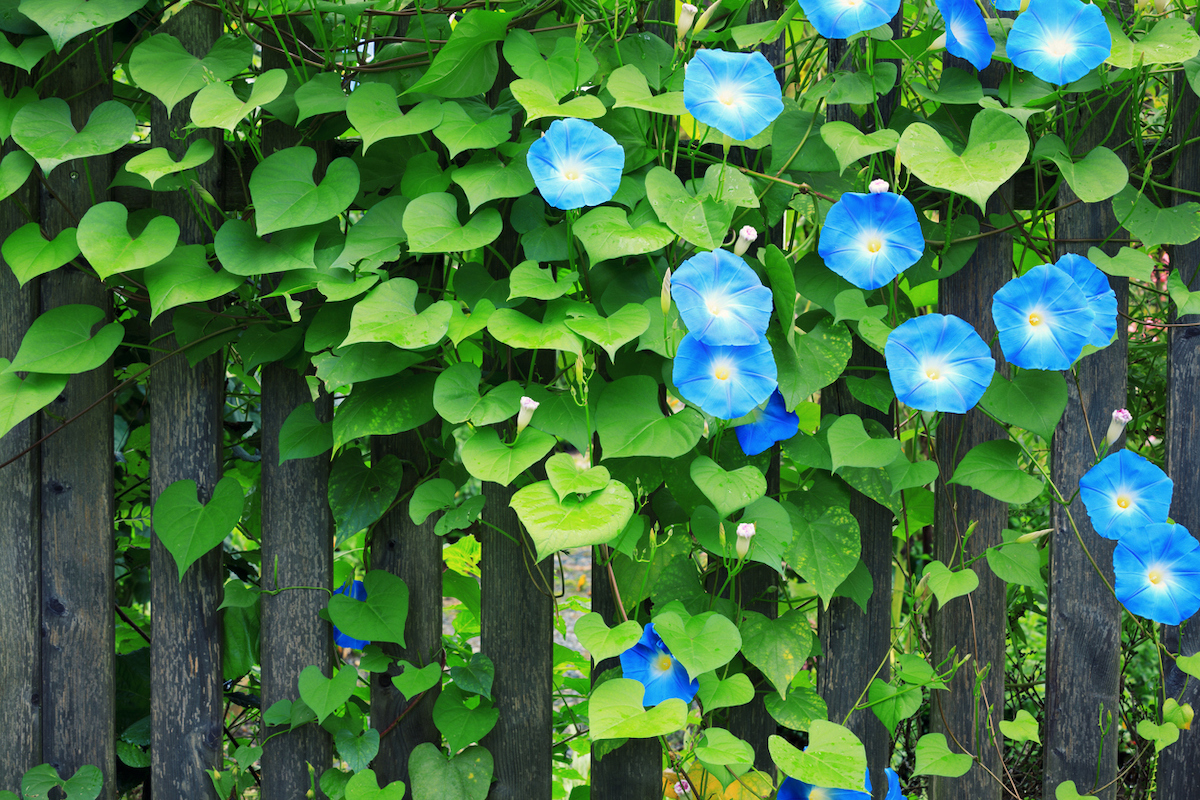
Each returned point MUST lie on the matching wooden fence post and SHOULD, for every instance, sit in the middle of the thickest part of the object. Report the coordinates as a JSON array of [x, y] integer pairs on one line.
[[20, 568]]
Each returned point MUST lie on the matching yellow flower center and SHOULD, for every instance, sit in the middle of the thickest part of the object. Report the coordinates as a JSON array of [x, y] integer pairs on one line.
[[1123, 501], [721, 373], [714, 308], [726, 98], [874, 245], [571, 175], [933, 374], [1155, 577], [663, 662], [1035, 319]]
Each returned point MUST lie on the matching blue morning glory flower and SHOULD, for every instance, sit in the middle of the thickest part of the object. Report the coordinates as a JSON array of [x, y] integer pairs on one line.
[[720, 299], [966, 32], [736, 93], [1043, 318], [1008, 5], [575, 164], [771, 424], [726, 381], [1059, 41], [840, 19], [356, 591], [1157, 570], [869, 239], [1102, 300], [793, 789], [938, 363], [1125, 492], [650, 663]]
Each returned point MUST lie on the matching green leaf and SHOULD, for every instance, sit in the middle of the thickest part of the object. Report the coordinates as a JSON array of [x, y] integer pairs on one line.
[[835, 758], [1179, 224], [431, 222], [935, 758], [569, 66], [701, 643], [20, 399], [183, 277], [375, 239], [778, 647], [388, 314], [489, 459], [1067, 791], [471, 126], [1022, 728], [326, 695], [243, 253], [358, 749], [216, 106], [485, 178], [1169, 41], [286, 196], [603, 642], [996, 149], [723, 755], [816, 360], [728, 491], [893, 704], [429, 497], [573, 521], [1014, 562], [782, 278], [1034, 400], [851, 446], [568, 478], [1127, 263], [321, 94], [612, 332], [29, 255], [1162, 735], [946, 584], [189, 529], [156, 164], [802, 706], [60, 341], [616, 712], [514, 329], [992, 468], [14, 170], [365, 786], [629, 88], [379, 618], [529, 280], [465, 776], [714, 693], [539, 101], [630, 423], [358, 494], [104, 238], [63, 20], [461, 724], [302, 436], [162, 66], [699, 220], [413, 681], [27, 55], [905, 474], [456, 397], [1186, 302], [43, 129], [476, 676], [467, 64], [85, 784], [605, 233], [850, 144], [825, 550], [373, 112], [1097, 176], [384, 406]]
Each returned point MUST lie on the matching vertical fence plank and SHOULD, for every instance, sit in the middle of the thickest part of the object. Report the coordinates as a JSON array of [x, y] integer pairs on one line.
[[78, 656], [187, 407], [20, 585], [976, 624], [414, 554], [1084, 627], [1179, 764]]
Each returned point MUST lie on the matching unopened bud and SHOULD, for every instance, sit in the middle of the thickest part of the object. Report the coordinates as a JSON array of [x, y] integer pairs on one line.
[[665, 296], [878, 186], [746, 237], [453, 21], [204, 194], [745, 532], [579, 370], [939, 43], [686, 16], [1120, 418], [705, 18], [682, 788], [1033, 537], [528, 406]]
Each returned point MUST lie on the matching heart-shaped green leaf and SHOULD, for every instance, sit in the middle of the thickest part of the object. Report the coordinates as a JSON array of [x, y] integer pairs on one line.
[[379, 618], [946, 584], [824, 550], [1034, 400], [162, 66], [27, 55], [851, 446], [611, 332], [303, 436], [243, 253], [724, 755], [850, 144], [189, 529], [216, 106], [606, 233], [603, 642], [893, 704], [573, 521], [431, 222], [465, 776], [630, 423], [701, 643], [29, 255], [43, 129], [471, 126], [993, 468], [326, 695], [568, 478], [460, 723], [616, 712], [358, 494], [728, 491], [1162, 735], [375, 238], [539, 101], [388, 314], [456, 397], [489, 459], [996, 149], [20, 399], [185, 277], [629, 88], [700, 220], [373, 112], [466, 65], [529, 280], [39, 781], [357, 749], [1176, 224], [365, 786], [934, 758], [486, 178], [156, 164], [14, 171], [1023, 728], [104, 238], [778, 647], [714, 693], [321, 94], [286, 196], [61, 341], [1097, 176], [1067, 791], [802, 706], [514, 329], [63, 20], [9, 106], [834, 758]]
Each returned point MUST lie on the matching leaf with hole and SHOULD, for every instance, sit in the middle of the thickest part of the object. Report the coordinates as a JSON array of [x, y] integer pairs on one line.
[[188, 528]]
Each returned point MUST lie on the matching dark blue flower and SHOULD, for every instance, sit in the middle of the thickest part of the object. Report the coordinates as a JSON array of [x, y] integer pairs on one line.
[[575, 164], [1043, 319], [1157, 570], [1102, 300], [771, 424], [1059, 41], [840, 19], [726, 381], [720, 299], [869, 239], [650, 663], [793, 789], [736, 93], [355, 591], [967, 32], [938, 363], [1125, 492]]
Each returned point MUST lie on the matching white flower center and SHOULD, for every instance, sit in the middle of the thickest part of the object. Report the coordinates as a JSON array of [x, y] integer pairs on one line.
[[727, 98], [715, 307], [1059, 46], [722, 370]]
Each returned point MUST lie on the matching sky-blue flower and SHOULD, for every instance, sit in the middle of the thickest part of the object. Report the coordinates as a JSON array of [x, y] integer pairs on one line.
[[869, 239], [840, 19], [1043, 318], [726, 381], [720, 299], [793, 789], [355, 591], [736, 93], [771, 424], [1157, 571], [967, 32], [938, 363], [1102, 300], [1125, 492], [1008, 5], [575, 164], [1059, 41], [650, 663]]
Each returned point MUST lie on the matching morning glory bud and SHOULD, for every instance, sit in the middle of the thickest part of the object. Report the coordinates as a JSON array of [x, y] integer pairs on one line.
[[1120, 418], [682, 788], [528, 406], [746, 237], [686, 15], [665, 295], [878, 186], [705, 18], [745, 532], [1033, 537]]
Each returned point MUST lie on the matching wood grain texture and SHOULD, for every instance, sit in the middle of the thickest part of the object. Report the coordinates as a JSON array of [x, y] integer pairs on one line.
[[20, 536], [1083, 647], [414, 554], [187, 406], [78, 657]]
